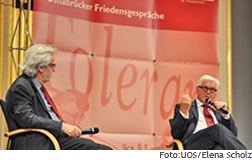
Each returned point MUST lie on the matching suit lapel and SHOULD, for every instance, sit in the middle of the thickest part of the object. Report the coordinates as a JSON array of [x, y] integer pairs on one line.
[[194, 110], [41, 100], [38, 94]]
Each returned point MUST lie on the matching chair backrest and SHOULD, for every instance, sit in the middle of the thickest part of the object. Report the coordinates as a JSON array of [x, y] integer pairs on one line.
[[171, 121], [3, 106], [175, 147], [6, 114], [12, 126]]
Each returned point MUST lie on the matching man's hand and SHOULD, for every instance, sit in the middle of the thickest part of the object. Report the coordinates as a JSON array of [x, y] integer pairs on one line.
[[185, 104], [219, 105], [71, 131]]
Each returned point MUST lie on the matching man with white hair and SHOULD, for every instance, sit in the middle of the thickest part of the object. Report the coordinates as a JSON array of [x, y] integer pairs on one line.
[[30, 106], [203, 127]]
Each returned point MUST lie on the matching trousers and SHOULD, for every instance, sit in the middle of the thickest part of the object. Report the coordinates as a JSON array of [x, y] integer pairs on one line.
[[77, 143], [216, 137]]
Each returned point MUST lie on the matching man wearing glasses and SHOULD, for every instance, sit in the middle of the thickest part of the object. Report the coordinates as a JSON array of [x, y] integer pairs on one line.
[[203, 127], [30, 106]]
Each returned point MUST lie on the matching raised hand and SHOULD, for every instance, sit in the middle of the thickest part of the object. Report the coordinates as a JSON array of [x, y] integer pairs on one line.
[[185, 104]]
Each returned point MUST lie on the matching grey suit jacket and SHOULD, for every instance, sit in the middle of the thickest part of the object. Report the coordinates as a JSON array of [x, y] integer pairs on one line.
[[27, 110], [183, 128]]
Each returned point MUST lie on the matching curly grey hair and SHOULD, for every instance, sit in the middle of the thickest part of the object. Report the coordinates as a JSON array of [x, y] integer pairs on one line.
[[37, 55]]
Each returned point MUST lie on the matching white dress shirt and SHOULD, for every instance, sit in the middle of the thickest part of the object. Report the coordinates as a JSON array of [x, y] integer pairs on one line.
[[48, 106], [201, 124]]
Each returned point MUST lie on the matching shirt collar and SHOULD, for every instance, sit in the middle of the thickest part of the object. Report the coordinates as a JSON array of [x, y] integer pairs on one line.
[[37, 83], [199, 104]]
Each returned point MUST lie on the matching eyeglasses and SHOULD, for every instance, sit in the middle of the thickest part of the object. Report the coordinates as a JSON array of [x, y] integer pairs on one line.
[[205, 89], [52, 65]]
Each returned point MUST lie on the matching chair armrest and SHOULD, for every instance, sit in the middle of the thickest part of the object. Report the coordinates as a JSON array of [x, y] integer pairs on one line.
[[176, 142], [45, 132]]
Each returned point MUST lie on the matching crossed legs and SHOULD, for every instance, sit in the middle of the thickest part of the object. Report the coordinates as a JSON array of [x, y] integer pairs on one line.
[[215, 137]]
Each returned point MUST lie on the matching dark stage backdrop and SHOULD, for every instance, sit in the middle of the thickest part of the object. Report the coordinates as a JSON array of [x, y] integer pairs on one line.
[[241, 68]]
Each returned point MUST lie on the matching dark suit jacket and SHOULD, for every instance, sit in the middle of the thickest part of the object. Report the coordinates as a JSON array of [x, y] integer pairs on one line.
[[182, 128], [27, 110]]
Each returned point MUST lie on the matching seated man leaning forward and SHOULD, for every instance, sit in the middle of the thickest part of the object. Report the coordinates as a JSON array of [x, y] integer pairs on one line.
[[30, 106], [201, 126]]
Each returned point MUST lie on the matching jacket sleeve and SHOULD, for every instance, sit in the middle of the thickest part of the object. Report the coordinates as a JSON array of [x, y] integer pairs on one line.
[[230, 124], [179, 124]]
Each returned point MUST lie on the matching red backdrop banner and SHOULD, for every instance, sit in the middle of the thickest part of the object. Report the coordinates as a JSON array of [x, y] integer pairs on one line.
[[186, 15], [123, 65]]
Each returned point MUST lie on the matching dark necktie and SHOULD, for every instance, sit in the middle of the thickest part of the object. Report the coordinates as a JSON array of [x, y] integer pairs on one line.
[[208, 116], [48, 98]]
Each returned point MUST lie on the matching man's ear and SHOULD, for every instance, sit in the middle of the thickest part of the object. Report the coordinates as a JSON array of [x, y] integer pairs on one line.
[[41, 69]]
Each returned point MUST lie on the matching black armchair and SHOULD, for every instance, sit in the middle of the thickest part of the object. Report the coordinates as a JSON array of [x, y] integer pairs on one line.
[[11, 134], [175, 143]]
